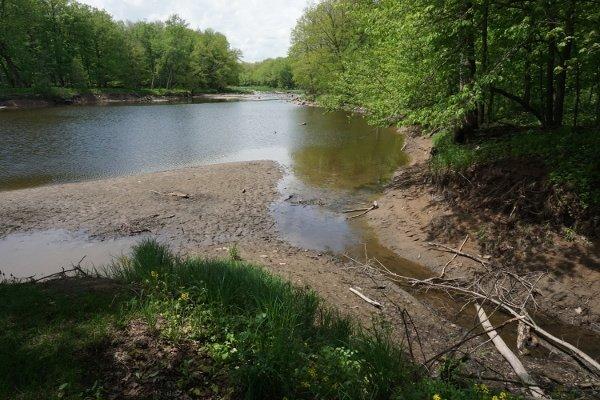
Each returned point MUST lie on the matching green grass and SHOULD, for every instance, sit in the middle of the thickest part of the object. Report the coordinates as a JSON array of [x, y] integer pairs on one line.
[[276, 340], [50, 339], [273, 340], [571, 157]]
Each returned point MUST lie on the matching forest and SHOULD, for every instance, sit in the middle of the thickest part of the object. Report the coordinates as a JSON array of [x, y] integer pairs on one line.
[[62, 43], [454, 62], [500, 85], [273, 73]]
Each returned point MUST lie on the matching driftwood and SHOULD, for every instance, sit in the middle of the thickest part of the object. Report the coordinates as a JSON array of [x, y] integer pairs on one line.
[[76, 268], [454, 257], [508, 355], [506, 290], [363, 211], [365, 298], [180, 195]]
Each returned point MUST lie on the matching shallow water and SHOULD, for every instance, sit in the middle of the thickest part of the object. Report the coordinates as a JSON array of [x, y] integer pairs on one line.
[[38, 254], [75, 143]]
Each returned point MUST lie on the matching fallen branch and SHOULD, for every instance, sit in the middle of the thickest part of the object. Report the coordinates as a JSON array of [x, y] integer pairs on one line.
[[459, 253], [180, 195], [76, 268], [502, 303], [508, 355], [443, 273], [364, 210], [365, 298]]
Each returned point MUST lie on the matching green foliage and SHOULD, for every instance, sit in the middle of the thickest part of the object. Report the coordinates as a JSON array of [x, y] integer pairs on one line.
[[272, 73], [65, 43], [270, 338], [446, 64], [275, 340]]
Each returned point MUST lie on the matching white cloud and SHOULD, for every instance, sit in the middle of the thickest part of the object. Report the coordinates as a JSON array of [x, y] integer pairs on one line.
[[259, 28]]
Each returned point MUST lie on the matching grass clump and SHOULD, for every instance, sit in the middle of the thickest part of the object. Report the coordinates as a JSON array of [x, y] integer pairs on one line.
[[51, 338]]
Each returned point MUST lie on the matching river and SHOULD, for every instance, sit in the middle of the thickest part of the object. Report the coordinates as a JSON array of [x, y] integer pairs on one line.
[[332, 160]]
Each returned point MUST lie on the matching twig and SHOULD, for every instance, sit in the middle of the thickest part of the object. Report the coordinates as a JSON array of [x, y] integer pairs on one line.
[[365, 298], [364, 210], [460, 253]]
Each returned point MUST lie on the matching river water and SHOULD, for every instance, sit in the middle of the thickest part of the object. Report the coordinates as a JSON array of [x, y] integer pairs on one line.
[[332, 161]]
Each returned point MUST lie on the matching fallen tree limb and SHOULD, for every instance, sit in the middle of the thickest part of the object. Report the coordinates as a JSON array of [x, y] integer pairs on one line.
[[453, 286], [365, 298], [459, 253], [364, 210], [508, 355], [584, 359], [456, 254], [76, 268], [180, 195]]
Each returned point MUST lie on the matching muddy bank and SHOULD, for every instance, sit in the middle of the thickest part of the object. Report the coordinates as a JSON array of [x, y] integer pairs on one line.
[[28, 102], [413, 212], [206, 210]]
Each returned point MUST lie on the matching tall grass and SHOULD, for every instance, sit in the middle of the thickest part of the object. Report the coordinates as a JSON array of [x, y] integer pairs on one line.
[[277, 340]]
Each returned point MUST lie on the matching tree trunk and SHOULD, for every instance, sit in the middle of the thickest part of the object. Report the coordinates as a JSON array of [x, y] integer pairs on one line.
[[597, 105], [549, 112], [481, 109], [550, 63], [561, 79], [577, 95], [469, 69], [527, 76], [13, 73]]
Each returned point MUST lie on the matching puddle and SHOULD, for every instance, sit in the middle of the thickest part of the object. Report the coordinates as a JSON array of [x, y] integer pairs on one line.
[[42, 253]]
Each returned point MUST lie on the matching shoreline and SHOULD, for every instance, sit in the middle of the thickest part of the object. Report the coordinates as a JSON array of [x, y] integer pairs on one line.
[[414, 212], [23, 102], [203, 211]]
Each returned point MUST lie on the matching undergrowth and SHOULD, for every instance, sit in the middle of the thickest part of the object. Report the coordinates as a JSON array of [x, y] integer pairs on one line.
[[570, 157], [276, 340], [264, 338]]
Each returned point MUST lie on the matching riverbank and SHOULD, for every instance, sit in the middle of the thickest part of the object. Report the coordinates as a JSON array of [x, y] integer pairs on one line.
[[26, 99], [169, 327], [207, 211], [414, 212]]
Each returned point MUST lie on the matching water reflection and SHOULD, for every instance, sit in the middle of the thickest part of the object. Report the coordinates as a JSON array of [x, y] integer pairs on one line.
[[76, 143]]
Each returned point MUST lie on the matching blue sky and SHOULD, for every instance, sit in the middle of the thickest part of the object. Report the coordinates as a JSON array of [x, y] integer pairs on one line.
[[259, 28]]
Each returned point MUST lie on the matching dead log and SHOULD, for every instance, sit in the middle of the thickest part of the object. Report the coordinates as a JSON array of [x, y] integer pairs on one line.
[[508, 355], [375, 206]]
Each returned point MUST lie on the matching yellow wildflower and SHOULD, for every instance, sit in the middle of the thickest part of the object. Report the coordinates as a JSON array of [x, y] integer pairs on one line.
[[184, 296], [437, 397], [154, 274]]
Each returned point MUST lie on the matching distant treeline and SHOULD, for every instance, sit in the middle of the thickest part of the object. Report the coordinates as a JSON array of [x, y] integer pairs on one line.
[[275, 73], [460, 63], [64, 43]]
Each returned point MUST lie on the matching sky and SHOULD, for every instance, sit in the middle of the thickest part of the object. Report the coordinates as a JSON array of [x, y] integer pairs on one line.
[[259, 28]]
